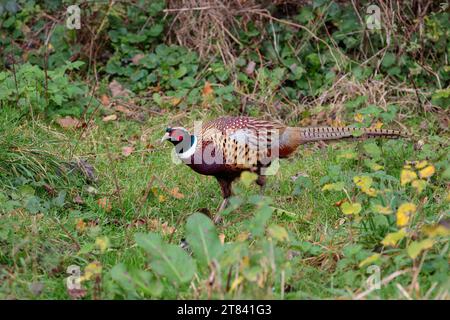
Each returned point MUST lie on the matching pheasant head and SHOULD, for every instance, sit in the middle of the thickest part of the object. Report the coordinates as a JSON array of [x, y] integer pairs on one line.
[[181, 139]]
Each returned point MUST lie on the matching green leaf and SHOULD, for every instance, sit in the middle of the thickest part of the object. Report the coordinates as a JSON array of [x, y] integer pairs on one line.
[[167, 260], [202, 237]]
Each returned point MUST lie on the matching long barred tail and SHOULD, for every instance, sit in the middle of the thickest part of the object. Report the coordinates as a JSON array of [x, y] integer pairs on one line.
[[311, 134]]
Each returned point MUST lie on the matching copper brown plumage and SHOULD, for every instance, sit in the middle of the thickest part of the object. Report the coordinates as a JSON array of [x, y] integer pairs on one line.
[[227, 146]]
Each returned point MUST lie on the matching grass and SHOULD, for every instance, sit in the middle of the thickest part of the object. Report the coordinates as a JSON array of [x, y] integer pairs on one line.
[[37, 248]]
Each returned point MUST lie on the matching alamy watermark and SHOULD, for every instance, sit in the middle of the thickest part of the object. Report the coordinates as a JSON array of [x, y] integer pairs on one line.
[[73, 20], [373, 17]]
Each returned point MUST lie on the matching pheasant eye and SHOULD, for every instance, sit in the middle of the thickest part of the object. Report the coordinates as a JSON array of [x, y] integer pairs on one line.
[[180, 138]]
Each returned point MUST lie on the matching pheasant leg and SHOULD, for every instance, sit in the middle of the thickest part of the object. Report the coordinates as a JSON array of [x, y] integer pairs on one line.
[[217, 216]]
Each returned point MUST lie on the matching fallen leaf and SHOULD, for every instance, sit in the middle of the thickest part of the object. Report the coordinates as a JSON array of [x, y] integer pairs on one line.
[[176, 193], [80, 225], [111, 117], [104, 99], [78, 200], [207, 89], [117, 89], [105, 204], [36, 288], [137, 58], [122, 109], [76, 293], [250, 68], [102, 243], [175, 101], [68, 122], [126, 151], [404, 213]]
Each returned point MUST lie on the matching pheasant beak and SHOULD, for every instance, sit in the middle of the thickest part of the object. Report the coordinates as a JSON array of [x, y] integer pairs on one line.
[[165, 137]]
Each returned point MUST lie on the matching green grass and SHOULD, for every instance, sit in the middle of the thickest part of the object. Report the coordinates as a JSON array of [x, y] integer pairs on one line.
[[37, 248]]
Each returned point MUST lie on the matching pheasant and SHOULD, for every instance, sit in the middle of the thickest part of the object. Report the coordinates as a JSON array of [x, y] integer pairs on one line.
[[227, 146]]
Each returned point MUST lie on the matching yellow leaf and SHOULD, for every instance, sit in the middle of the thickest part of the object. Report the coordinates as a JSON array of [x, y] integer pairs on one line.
[[348, 154], [351, 208], [374, 166], [436, 230], [277, 232], [416, 247], [80, 226], [404, 213], [370, 260], [372, 192], [359, 117], [406, 176], [419, 185], [175, 101], [421, 164], [91, 270], [248, 177], [102, 243], [391, 239], [161, 198], [378, 125], [383, 210], [427, 172], [364, 182], [448, 197], [235, 283], [338, 186], [241, 237]]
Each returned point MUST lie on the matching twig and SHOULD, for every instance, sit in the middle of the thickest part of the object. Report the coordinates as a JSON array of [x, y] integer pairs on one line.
[[385, 281]]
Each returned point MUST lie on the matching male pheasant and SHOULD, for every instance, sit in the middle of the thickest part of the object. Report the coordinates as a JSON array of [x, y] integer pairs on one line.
[[227, 146]]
